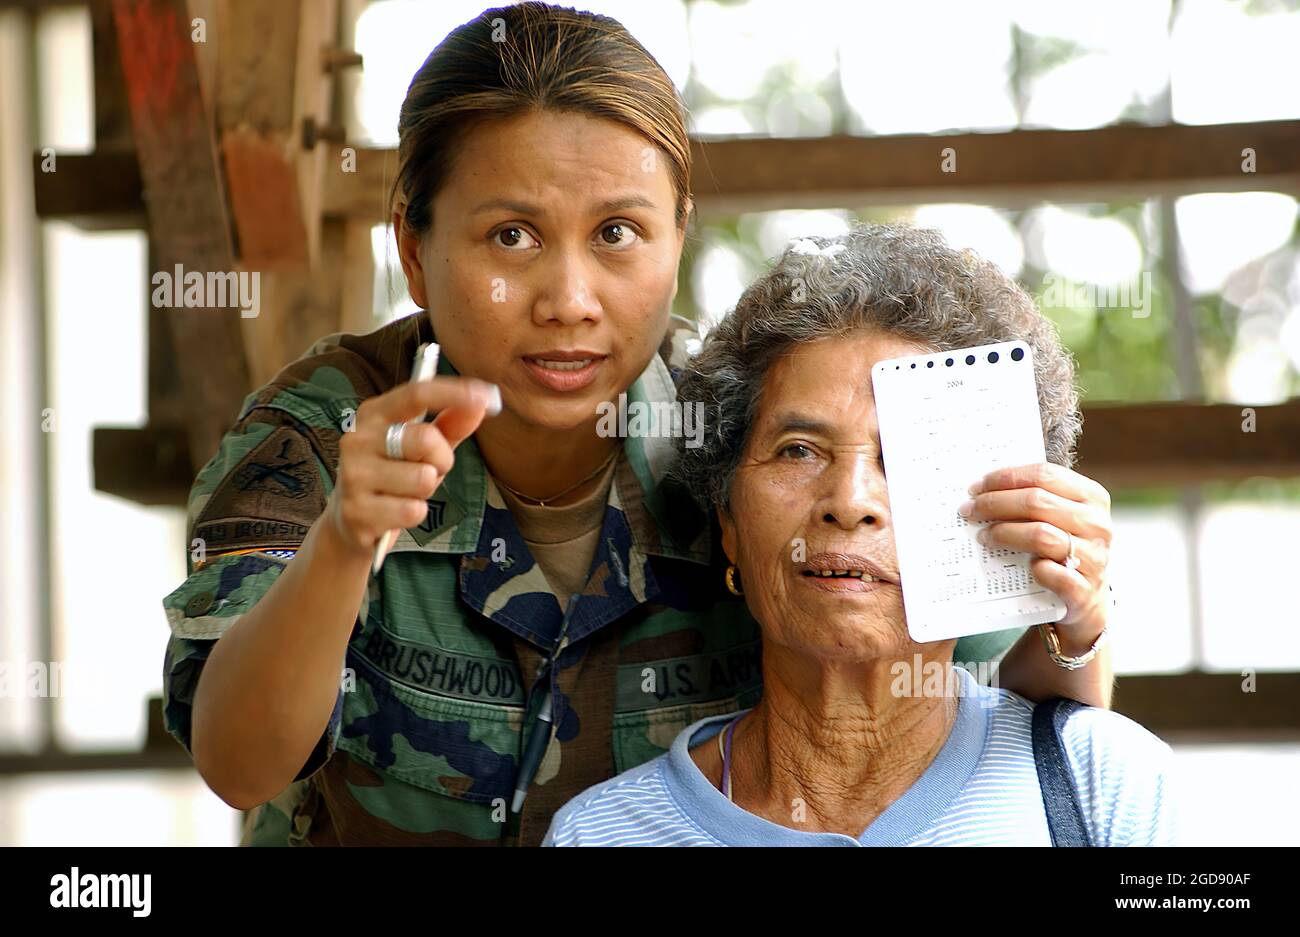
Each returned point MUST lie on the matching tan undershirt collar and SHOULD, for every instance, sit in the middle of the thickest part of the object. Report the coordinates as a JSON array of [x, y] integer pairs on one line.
[[563, 539]]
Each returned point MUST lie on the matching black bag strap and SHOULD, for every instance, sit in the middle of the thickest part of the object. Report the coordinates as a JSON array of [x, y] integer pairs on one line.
[[1060, 797]]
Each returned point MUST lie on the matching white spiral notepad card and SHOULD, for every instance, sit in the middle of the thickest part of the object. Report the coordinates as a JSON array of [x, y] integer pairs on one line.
[[946, 419]]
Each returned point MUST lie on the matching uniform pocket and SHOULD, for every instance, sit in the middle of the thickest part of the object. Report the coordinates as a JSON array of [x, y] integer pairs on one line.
[[461, 741], [644, 734], [658, 698]]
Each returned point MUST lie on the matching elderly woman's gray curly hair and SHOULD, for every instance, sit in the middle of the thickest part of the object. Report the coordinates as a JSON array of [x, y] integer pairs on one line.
[[899, 279]]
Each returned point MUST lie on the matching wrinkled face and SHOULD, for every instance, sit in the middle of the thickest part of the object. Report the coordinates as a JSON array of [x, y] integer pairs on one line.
[[812, 475], [552, 261]]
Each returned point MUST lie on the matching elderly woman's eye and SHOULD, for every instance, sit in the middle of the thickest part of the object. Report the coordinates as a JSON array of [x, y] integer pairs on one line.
[[796, 450], [617, 234], [513, 237]]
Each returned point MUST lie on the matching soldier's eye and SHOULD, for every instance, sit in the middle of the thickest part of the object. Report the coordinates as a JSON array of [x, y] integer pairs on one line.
[[513, 237], [619, 235]]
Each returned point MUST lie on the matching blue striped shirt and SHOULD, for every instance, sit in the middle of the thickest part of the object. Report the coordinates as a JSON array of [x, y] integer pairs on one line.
[[980, 790]]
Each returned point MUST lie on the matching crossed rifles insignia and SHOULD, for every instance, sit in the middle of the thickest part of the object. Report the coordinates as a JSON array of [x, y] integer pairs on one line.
[[285, 478]]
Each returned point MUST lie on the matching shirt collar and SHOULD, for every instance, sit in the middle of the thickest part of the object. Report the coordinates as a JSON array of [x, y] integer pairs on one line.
[[912, 813]]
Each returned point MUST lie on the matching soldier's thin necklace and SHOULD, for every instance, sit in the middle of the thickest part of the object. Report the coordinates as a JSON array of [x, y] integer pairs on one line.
[[541, 502]]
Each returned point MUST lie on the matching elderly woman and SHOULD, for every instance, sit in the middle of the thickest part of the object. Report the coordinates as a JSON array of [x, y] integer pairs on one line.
[[833, 754]]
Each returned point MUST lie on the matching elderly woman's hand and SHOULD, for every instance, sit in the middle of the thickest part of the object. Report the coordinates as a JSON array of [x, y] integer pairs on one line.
[[1037, 509]]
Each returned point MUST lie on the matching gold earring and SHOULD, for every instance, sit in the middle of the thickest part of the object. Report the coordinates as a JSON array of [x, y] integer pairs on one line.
[[731, 581]]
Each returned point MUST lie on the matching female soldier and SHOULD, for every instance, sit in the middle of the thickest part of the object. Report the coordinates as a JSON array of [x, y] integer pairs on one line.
[[549, 585]]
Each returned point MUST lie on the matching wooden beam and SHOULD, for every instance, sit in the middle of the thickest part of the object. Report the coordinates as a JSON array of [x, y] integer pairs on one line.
[[257, 54], [35, 6], [272, 80], [164, 392], [67, 762], [95, 191], [254, 123], [347, 248], [151, 465], [314, 89], [112, 113], [187, 217], [1210, 702], [264, 199], [1016, 167], [1184, 443], [362, 192], [298, 307], [161, 752]]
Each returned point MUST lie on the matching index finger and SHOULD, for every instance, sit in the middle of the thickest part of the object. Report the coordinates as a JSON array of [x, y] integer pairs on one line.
[[460, 422], [1046, 475], [413, 400]]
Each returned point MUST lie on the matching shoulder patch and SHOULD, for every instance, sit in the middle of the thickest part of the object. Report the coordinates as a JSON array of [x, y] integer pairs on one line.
[[268, 500]]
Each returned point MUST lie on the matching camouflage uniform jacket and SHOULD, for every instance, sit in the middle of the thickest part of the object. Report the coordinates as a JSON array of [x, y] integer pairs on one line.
[[441, 684]]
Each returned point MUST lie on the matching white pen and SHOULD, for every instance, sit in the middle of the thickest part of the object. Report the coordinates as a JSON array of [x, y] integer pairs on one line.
[[423, 368]]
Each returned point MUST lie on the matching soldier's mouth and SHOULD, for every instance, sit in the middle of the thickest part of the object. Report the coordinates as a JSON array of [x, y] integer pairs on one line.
[[564, 371]]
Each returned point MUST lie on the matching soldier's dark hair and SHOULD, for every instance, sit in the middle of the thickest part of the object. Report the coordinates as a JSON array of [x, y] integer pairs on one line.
[[532, 56]]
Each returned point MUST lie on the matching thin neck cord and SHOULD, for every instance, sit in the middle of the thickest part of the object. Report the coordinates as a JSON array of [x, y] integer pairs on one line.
[[726, 757]]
